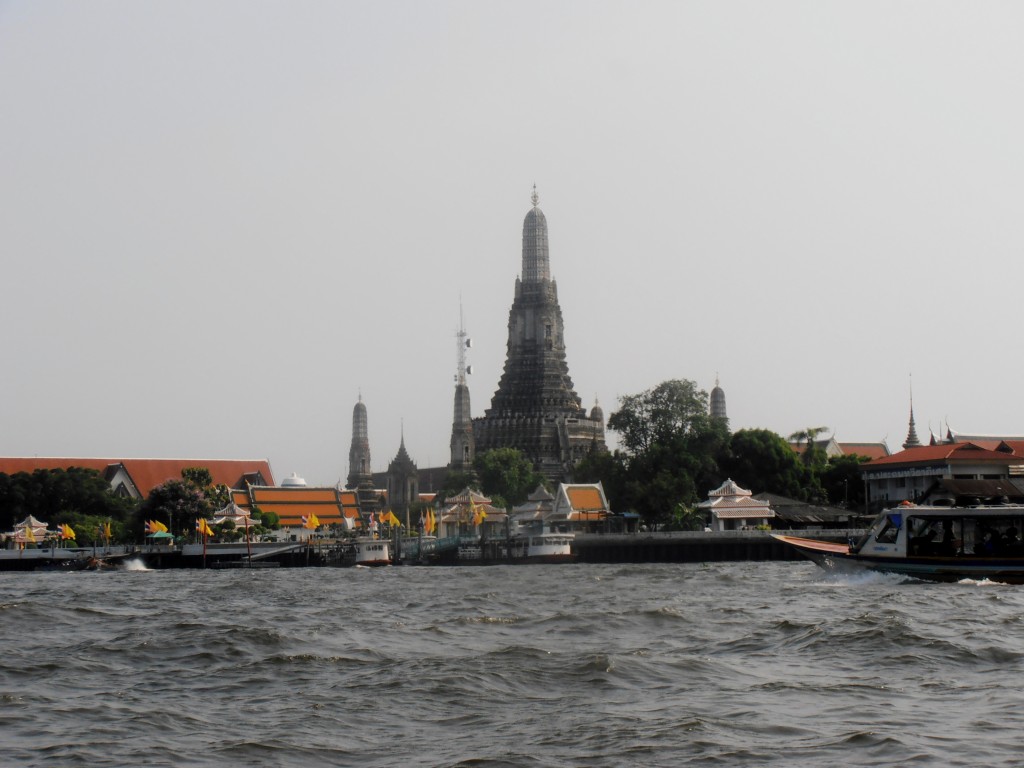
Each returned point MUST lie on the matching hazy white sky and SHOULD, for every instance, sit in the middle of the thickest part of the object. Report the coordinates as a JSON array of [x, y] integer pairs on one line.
[[222, 221]]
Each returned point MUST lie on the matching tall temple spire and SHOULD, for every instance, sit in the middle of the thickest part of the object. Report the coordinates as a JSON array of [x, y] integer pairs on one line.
[[536, 408], [912, 440], [402, 482], [717, 410], [359, 471]]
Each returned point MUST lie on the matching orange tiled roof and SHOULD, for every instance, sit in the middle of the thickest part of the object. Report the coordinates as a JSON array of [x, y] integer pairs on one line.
[[584, 498], [350, 506], [146, 474], [292, 504]]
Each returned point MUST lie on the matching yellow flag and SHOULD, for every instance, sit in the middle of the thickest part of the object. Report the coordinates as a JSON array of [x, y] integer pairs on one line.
[[67, 532], [30, 534], [106, 530], [311, 522]]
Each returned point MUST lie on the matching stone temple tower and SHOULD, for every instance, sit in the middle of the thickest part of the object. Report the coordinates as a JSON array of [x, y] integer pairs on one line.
[[403, 483], [535, 408], [359, 471], [718, 402]]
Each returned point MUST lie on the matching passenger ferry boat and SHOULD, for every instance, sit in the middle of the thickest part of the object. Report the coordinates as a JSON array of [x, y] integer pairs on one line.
[[549, 548], [372, 552], [936, 543]]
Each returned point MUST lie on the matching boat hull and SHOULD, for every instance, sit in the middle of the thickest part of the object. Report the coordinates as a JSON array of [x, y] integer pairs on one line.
[[838, 558]]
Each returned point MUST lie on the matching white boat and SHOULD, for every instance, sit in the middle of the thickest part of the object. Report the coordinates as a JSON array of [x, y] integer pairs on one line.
[[372, 552], [549, 548], [936, 543]]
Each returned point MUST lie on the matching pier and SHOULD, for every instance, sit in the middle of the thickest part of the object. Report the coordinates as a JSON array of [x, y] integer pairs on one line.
[[696, 546]]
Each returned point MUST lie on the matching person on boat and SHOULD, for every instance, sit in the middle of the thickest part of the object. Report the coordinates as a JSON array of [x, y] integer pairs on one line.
[[1009, 542], [987, 542], [947, 546]]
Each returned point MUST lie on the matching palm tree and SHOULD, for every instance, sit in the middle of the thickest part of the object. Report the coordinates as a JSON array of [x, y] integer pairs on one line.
[[810, 434]]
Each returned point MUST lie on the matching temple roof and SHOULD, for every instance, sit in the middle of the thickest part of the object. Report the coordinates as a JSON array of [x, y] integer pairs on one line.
[[944, 453], [146, 474]]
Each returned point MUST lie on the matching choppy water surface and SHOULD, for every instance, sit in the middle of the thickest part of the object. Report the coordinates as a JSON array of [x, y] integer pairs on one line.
[[581, 665]]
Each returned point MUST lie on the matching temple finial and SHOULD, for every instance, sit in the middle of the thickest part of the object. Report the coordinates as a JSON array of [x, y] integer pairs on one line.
[[534, 196], [912, 440]]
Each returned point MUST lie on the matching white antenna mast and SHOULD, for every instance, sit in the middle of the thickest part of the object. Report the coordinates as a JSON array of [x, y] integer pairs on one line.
[[464, 343]]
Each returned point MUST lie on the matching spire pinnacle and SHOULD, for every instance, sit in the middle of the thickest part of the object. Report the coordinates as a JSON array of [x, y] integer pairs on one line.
[[534, 197], [912, 440]]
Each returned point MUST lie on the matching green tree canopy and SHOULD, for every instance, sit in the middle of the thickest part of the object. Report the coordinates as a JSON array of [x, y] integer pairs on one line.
[[812, 456], [506, 475], [672, 410], [217, 496], [670, 450], [456, 480], [842, 482], [56, 495], [763, 461], [177, 504]]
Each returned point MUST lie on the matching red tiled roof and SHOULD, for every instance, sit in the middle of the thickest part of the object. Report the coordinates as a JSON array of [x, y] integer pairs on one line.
[[945, 452], [146, 474], [868, 450], [1016, 447]]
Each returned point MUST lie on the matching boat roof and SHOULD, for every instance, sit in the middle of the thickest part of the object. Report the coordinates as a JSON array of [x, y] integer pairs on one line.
[[981, 510]]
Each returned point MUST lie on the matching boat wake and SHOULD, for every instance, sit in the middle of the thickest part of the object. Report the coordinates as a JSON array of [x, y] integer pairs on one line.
[[981, 583], [844, 579], [135, 564]]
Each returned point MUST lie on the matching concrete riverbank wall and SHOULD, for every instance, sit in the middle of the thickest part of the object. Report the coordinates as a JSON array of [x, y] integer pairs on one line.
[[695, 546]]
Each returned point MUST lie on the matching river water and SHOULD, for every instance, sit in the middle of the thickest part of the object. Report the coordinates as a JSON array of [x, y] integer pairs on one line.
[[569, 665]]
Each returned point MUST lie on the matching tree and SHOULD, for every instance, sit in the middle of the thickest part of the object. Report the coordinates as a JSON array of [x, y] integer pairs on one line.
[[661, 415], [55, 495], [671, 445], [812, 456], [200, 477], [218, 496], [176, 503], [842, 483], [685, 518], [269, 519], [506, 475], [457, 480], [762, 461]]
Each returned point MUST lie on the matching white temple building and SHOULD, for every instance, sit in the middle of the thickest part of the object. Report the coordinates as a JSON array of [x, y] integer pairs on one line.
[[732, 508]]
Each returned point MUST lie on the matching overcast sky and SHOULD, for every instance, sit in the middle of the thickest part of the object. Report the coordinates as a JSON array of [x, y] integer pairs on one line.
[[221, 222]]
